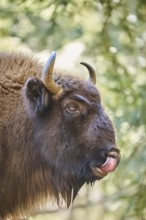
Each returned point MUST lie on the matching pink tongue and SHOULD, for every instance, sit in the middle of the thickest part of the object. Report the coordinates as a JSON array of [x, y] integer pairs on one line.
[[110, 165]]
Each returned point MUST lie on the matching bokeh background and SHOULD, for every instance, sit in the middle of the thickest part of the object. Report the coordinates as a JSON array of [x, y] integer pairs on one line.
[[110, 35]]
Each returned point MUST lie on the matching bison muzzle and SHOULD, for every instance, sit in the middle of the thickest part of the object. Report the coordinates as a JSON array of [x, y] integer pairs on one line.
[[54, 135]]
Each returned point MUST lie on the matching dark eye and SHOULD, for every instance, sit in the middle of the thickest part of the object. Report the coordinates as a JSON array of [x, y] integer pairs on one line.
[[72, 109]]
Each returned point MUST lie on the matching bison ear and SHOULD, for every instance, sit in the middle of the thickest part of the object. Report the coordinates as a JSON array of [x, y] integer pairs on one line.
[[37, 97]]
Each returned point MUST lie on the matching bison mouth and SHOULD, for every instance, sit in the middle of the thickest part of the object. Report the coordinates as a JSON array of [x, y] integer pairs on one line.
[[111, 163]]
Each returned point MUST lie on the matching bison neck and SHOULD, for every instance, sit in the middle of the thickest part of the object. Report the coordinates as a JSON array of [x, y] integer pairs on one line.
[[28, 178]]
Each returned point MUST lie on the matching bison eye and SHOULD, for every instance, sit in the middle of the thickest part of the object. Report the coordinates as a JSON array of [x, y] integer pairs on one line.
[[72, 109]]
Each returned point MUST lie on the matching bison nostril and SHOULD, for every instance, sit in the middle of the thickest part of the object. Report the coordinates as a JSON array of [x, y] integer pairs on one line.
[[112, 149], [115, 153], [108, 151], [116, 150]]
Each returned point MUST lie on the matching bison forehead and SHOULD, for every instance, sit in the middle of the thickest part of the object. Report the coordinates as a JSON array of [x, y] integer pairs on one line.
[[72, 84]]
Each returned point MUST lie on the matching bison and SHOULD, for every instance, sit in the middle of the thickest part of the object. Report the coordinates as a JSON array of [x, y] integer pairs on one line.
[[54, 135]]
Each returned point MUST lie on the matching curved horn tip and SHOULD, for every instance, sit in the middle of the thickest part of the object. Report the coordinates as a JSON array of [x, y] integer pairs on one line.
[[53, 54], [49, 64], [47, 75], [52, 57], [91, 72]]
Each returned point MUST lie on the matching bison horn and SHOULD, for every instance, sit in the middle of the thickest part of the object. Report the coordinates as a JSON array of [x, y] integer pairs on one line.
[[47, 75], [91, 72]]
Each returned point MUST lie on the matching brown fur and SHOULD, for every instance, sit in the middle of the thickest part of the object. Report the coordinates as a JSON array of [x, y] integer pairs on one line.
[[45, 151]]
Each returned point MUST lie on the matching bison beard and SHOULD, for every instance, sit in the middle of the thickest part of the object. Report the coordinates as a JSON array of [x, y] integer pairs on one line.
[[54, 135]]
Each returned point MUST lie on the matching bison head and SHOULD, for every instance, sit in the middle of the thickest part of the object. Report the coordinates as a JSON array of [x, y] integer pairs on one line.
[[73, 136]]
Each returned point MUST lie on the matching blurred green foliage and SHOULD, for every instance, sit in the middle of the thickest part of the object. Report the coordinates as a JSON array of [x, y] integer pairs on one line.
[[113, 33]]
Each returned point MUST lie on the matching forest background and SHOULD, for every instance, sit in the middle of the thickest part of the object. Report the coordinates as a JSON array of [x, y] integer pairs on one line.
[[110, 35]]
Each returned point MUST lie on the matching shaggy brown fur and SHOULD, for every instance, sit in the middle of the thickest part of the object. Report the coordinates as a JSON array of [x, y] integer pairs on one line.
[[46, 150]]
